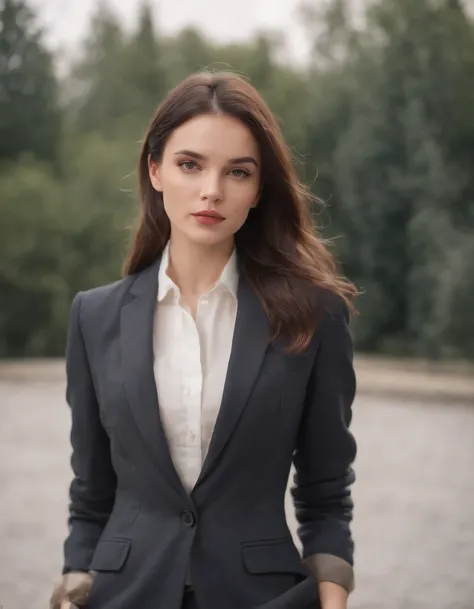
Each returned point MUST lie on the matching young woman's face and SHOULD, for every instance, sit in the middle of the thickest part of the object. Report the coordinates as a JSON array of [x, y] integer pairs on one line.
[[210, 178]]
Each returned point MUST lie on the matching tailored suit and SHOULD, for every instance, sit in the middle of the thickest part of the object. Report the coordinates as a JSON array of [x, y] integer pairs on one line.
[[131, 521]]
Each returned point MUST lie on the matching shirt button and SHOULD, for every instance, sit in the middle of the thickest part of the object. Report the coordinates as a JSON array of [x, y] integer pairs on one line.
[[191, 435], [188, 518]]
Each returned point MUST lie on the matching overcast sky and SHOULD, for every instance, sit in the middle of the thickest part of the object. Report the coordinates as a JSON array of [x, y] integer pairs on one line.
[[66, 20]]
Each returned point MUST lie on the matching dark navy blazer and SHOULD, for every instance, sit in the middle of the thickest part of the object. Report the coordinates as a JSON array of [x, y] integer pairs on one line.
[[131, 519]]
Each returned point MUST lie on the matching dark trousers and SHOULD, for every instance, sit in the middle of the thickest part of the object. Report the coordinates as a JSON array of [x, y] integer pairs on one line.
[[189, 600]]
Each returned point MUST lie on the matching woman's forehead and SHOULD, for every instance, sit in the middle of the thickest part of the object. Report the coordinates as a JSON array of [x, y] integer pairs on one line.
[[214, 136]]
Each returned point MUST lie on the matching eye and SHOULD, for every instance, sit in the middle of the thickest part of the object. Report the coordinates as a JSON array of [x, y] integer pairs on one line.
[[188, 165], [239, 173]]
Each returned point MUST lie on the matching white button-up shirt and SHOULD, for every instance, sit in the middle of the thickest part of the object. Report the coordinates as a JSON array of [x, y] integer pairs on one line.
[[190, 365]]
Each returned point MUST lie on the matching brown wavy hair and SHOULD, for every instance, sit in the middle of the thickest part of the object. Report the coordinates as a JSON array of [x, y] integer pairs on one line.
[[278, 247]]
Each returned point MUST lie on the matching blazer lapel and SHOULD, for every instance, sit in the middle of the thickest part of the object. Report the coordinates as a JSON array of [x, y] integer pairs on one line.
[[250, 341], [136, 341]]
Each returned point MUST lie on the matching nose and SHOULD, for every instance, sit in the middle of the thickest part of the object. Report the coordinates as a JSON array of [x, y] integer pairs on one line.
[[211, 190]]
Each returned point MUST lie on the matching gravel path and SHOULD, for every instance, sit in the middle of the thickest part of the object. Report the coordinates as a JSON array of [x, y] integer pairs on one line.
[[414, 525]]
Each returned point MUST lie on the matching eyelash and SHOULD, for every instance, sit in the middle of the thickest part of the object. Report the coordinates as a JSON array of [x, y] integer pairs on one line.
[[244, 173]]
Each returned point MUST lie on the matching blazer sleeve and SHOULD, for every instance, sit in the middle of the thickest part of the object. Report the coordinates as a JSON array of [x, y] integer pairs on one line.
[[92, 489], [324, 455]]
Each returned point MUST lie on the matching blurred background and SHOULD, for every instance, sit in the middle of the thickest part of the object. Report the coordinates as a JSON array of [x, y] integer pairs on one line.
[[376, 100]]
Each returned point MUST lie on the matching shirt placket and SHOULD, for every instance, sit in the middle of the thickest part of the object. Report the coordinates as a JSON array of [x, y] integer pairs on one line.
[[191, 387]]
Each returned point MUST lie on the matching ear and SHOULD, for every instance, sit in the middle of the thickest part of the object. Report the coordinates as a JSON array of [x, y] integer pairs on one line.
[[154, 173]]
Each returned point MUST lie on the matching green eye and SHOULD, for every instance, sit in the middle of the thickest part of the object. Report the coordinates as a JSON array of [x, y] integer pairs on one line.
[[240, 173]]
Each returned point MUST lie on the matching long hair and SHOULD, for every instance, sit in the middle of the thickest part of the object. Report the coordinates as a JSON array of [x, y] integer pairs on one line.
[[279, 250]]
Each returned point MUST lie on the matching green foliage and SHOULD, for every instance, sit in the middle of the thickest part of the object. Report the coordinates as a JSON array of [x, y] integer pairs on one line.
[[29, 117], [34, 254], [380, 123], [390, 127]]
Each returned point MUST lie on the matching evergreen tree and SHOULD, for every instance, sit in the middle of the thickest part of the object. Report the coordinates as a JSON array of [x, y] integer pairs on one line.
[[146, 80], [98, 84], [30, 120]]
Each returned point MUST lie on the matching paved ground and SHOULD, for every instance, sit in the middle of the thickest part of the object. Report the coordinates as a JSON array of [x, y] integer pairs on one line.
[[414, 524]]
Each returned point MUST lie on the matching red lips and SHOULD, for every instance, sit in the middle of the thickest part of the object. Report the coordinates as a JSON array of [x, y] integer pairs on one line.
[[208, 217], [209, 213]]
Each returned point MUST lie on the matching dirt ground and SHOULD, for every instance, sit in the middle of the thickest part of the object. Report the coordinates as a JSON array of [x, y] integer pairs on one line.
[[414, 525]]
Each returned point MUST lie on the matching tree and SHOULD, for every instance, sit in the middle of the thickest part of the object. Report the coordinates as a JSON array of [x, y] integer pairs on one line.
[[34, 250], [146, 79], [97, 87], [387, 135], [186, 53], [30, 120]]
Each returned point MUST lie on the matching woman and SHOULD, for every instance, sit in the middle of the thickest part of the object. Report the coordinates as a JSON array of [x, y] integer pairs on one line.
[[223, 356]]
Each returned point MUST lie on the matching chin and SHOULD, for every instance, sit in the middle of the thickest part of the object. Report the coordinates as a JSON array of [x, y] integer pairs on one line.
[[209, 237]]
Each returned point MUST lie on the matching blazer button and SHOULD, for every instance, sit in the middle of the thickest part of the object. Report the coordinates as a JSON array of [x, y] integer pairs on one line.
[[188, 518]]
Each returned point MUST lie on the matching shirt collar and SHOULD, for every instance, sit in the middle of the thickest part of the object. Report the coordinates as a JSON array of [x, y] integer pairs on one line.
[[165, 283], [229, 278]]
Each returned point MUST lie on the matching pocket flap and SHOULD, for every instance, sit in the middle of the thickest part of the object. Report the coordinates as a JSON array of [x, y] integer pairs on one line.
[[273, 556], [110, 555]]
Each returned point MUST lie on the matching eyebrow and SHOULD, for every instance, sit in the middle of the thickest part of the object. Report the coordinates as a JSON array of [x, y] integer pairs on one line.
[[202, 157]]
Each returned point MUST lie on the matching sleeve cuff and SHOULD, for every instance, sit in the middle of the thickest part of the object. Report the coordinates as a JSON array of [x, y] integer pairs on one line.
[[327, 567]]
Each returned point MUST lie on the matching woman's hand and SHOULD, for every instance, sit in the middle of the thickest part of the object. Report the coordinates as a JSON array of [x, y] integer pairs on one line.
[[72, 591], [332, 596]]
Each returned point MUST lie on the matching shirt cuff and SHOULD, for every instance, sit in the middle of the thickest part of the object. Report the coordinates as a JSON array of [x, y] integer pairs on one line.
[[330, 568]]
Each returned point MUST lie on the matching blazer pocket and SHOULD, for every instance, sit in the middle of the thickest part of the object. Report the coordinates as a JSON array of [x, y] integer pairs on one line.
[[273, 556], [110, 555]]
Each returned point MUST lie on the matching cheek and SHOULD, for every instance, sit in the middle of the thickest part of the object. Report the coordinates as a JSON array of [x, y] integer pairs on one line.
[[177, 182], [243, 199], [178, 191]]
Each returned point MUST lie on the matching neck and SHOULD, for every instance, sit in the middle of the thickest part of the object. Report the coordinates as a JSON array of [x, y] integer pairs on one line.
[[195, 268]]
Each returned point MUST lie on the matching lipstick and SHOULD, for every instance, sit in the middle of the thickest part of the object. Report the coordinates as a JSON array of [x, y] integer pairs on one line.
[[208, 217]]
